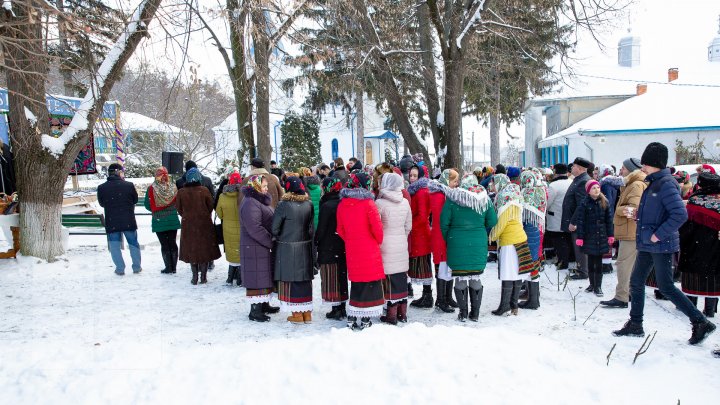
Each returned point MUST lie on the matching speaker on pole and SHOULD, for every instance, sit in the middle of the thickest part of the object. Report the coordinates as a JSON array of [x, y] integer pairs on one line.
[[173, 162]]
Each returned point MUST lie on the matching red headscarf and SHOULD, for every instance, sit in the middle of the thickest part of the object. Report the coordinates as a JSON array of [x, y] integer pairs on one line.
[[235, 178]]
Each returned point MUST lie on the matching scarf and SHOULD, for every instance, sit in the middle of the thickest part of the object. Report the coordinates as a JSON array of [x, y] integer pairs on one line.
[[468, 180], [500, 181], [193, 175], [359, 180], [331, 185], [164, 190], [534, 199], [294, 185], [256, 182], [420, 183], [445, 177], [474, 197], [509, 203]]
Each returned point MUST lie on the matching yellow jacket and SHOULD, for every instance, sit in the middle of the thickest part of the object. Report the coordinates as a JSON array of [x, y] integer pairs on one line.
[[509, 229]]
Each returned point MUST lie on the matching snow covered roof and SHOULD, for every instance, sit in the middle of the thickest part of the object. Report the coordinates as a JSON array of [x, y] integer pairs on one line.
[[137, 122], [667, 107], [381, 134]]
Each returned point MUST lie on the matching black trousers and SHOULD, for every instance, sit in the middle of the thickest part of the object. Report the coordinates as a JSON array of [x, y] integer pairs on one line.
[[168, 242], [561, 242], [594, 263]]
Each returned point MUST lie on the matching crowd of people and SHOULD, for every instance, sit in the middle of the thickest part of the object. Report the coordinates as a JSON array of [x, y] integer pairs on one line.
[[374, 232]]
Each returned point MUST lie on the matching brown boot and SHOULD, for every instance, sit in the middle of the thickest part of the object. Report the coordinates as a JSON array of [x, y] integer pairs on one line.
[[307, 316], [194, 268], [402, 311], [203, 273], [296, 317], [391, 316]]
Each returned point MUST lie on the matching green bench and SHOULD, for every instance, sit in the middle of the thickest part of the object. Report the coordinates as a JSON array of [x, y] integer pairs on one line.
[[87, 224]]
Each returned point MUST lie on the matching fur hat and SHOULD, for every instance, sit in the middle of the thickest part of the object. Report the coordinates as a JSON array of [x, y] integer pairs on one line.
[[257, 163], [655, 155], [582, 162]]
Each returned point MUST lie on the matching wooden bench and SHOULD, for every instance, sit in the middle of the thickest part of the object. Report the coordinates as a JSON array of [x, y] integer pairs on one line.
[[89, 224]]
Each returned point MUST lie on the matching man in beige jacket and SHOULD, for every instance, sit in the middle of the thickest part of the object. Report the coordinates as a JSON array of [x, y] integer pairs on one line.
[[625, 227], [275, 190]]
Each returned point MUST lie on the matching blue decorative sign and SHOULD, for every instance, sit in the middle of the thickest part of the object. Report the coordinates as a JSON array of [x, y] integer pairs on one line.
[[60, 105]]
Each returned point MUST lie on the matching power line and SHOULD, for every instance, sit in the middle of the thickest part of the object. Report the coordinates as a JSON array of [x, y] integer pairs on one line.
[[648, 81]]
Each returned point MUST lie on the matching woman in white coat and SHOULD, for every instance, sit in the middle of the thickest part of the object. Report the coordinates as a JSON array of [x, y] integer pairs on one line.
[[396, 218]]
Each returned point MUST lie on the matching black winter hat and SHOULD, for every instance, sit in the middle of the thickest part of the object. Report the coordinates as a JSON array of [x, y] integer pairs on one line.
[[500, 169], [257, 163], [655, 155], [406, 163], [582, 162], [114, 168], [560, 168], [294, 185], [189, 165]]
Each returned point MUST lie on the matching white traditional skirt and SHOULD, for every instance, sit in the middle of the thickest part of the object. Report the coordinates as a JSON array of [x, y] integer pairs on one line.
[[509, 264]]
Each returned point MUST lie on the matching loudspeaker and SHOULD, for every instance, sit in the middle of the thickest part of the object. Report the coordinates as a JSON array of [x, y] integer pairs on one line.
[[173, 162]]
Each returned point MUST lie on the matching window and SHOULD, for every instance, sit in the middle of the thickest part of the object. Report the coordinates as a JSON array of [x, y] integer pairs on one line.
[[334, 149]]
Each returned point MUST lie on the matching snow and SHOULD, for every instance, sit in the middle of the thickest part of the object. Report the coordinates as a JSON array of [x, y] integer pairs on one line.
[[73, 331], [137, 122], [440, 119], [7, 5], [471, 22], [30, 116]]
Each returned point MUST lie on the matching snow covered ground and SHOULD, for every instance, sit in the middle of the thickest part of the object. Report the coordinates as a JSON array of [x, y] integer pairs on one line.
[[74, 332]]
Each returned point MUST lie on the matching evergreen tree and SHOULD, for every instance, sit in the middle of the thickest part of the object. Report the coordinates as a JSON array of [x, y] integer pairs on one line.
[[300, 141]]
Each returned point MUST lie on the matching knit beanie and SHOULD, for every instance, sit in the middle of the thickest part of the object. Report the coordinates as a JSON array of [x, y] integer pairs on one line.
[[655, 155], [189, 165], [632, 164], [513, 172], [294, 185], [590, 185]]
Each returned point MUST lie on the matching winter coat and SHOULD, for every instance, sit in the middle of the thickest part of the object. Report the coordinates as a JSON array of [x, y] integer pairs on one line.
[[330, 246], [341, 174], [224, 182], [420, 205], [227, 211], [533, 239], [573, 198], [197, 237], [557, 189], [700, 247], [256, 216], [396, 218], [661, 213], [312, 184], [118, 197], [630, 194], [610, 187], [359, 225], [437, 242], [206, 182], [594, 226], [466, 233], [275, 190], [163, 219], [292, 227]]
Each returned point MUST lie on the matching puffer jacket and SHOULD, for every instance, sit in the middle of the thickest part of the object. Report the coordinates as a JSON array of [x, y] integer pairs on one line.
[[573, 198], [293, 230], [312, 183], [466, 233], [330, 246], [594, 226], [359, 225], [227, 211], [630, 195], [661, 213], [556, 194], [396, 218], [610, 187], [420, 206], [437, 201]]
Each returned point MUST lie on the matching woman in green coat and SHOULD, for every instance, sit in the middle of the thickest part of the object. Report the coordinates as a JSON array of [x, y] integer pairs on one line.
[[160, 200], [466, 218], [312, 184], [227, 211]]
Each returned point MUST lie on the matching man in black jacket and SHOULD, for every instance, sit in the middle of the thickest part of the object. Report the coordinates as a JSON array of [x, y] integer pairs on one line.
[[118, 197], [205, 179], [575, 195]]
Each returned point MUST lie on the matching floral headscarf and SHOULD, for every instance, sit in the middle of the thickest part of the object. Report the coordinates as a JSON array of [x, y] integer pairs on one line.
[[235, 178], [294, 185], [534, 199], [256, 182], [331, 185], [510, 195], [444, 178], [164, 190], [468, 180], [500, 181], [359, 180], [509, 204], [682, 176]]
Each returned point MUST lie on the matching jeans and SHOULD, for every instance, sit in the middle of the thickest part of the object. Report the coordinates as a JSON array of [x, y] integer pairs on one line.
[[115, 243], [664, 278]]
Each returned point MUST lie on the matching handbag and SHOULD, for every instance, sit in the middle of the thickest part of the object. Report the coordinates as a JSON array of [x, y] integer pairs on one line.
[[219, 238]]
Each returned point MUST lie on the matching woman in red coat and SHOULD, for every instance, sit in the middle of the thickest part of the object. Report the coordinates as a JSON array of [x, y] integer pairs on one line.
[[449, 178], [420, 248], [360, 227]]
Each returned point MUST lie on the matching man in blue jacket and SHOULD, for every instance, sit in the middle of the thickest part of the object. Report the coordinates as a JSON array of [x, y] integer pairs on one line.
[[118, 197], [659, 216]]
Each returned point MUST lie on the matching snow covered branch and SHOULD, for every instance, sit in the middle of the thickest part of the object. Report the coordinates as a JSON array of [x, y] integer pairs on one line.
[[92, 104], [475, 17]]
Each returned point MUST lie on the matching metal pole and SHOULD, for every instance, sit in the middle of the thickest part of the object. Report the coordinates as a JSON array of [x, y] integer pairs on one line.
[[473, 148]]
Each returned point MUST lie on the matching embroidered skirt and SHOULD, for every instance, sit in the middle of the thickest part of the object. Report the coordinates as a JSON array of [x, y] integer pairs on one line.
[[395, 287], [295, 296], [420, 271], [258, 296], [525, 261], [703, 285], [366, 299], [334, 282]]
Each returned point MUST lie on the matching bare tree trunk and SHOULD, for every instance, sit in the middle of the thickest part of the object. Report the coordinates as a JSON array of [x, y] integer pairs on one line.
[[494, 139], [238, 75], [262, 83], [429, 80], [454, 76], [360, 125]]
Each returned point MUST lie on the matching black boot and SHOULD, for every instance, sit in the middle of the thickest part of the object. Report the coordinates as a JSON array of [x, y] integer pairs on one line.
[[692, 299], [598, 284], [338, 312], [426, 300], [607, 268], [711, 305], [231, 274], [174, 260], [203, 267], [630, 328], [475, 301], [167, 258], [533, 301], [256, 313], [524, 291], [365, 323], [462, 298], [238, 275], [701, 330], [505, 293], [410, 291], [517, 284], [441, 302], [267, 309], [352, 323], [194, 268], [448, 294]]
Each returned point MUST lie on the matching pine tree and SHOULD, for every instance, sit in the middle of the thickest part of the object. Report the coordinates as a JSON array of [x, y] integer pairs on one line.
[[300, 141]]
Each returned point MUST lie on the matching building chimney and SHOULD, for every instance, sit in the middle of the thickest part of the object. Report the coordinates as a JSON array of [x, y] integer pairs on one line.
[[641, 89], [673, 74]]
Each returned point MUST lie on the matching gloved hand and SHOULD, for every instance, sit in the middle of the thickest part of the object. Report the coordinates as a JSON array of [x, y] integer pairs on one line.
[[611, 240], [579, 242]]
